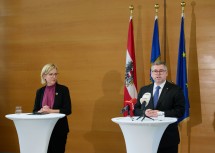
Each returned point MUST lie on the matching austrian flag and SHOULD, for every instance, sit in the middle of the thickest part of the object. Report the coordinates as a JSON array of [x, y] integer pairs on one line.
[[130, 88]]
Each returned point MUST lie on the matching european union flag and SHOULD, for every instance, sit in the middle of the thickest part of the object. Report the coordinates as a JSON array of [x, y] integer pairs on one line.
[[181, 79], [155, 53]]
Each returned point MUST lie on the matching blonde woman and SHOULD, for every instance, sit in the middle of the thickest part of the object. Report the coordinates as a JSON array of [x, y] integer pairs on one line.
[[54, 98]]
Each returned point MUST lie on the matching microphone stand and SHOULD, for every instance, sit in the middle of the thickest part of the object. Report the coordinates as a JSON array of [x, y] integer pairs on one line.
[[132, 119], [144, 116], [143, 107], [128, 110]]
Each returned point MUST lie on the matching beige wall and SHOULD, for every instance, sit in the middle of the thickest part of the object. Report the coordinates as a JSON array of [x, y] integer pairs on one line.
[[87, 39]]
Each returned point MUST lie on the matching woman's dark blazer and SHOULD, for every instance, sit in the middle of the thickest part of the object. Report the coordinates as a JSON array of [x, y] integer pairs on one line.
[[62, 102], [172, 102]]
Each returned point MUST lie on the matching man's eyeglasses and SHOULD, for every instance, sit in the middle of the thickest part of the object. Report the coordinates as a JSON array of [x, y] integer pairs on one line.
[[160, 71]]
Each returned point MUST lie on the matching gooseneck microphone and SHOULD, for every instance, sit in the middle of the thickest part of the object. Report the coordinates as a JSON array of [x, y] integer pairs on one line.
[[129, 107]]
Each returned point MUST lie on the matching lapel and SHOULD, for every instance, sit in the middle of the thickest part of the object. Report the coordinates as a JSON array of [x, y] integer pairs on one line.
[[41, 96], [56, 95], [151, 104], [163, 93]]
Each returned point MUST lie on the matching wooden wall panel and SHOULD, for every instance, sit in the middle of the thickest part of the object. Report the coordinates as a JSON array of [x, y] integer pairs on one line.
[[87, 40]]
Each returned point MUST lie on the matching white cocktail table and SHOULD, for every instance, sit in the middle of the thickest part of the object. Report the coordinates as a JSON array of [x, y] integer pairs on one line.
[[34, 131], [142, 136]]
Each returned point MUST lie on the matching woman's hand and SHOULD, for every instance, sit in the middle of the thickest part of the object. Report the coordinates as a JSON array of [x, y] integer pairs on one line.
[[45, 109]]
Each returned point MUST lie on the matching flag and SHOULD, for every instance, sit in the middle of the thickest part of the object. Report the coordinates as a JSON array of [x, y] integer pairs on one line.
[[181, 79], [130, 87], [155, 52]]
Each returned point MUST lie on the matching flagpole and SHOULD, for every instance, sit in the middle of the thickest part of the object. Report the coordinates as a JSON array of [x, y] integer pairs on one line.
[[130, 86], [131, 8], [156, 9], [164, 48], [181, 80], [183, 4]]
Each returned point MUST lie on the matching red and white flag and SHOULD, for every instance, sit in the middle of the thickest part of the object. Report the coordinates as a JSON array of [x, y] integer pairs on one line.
[[130, 88]]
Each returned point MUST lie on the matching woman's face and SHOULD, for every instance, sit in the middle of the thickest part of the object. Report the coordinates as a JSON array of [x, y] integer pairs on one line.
[[51, 77]]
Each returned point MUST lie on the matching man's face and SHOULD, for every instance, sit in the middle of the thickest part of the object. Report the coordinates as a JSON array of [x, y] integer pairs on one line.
[[159, 73]]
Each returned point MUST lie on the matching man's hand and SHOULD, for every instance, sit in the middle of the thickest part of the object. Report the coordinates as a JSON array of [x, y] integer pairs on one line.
[[151, 113]]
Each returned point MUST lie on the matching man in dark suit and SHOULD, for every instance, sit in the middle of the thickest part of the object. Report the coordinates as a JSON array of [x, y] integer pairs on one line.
[[169, 99]]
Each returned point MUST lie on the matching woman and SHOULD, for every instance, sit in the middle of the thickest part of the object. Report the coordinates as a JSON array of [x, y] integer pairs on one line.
[[54, 98]]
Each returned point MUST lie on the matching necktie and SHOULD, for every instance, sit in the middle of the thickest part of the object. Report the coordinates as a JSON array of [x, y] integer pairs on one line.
[[156, 96]]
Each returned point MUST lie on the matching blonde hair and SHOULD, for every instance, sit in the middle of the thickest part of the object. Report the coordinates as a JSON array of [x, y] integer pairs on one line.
[[45, 70]]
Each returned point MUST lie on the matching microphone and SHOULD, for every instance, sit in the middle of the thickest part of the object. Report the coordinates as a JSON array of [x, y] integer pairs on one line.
[[129, 107], [126, 108], [145, 100]]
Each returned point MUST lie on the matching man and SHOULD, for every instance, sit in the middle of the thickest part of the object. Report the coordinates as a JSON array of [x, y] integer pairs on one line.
[[170, 100]]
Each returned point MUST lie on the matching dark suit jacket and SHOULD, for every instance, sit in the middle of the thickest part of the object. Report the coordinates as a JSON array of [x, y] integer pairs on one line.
[[62, 102], [172, 102]]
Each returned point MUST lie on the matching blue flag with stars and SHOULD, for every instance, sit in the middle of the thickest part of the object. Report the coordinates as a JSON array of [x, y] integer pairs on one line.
[[181, 79]]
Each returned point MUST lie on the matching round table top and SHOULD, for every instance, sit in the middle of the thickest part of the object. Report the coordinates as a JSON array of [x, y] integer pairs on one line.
[[136, 121], [30, 116]]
